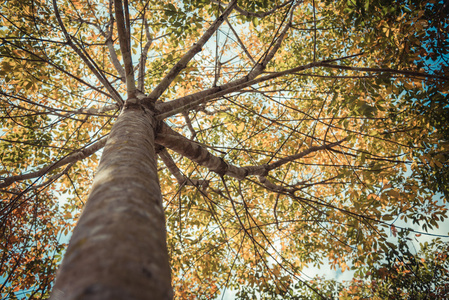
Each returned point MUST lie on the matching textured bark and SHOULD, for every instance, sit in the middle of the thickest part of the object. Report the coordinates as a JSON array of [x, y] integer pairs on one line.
[[118, 248], [170, 139]]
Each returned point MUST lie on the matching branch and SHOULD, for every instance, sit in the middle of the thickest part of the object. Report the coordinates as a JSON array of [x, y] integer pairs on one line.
[[293, 188], [53, 178], [290, 158], [109, 43], [114, 59], [59, 112], [143, 58], [115, 95], [185, 103], [188, 102], [170, 139], [61, 69], [182, 63], [124, 32], [73, 157], [384, 70], [240, 42], [97, 111], [174, 170], [255, 14], [189, 125]]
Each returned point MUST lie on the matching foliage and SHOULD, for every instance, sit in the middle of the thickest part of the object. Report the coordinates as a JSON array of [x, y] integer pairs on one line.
[[405, 275], [334, 113], [402, 275]]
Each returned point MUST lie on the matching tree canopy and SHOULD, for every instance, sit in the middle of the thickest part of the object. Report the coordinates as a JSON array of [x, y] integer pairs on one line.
[[290, 133]]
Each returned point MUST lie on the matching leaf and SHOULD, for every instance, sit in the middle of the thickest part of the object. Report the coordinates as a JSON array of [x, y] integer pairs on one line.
[[241, 127]]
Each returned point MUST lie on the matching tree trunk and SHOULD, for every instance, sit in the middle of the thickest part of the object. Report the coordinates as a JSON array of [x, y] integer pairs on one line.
[[118, 249]]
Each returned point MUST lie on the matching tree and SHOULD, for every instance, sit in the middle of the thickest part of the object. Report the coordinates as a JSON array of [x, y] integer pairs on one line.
[[280, 128]]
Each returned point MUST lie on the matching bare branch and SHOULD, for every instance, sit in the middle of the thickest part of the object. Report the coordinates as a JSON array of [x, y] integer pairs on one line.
[[109, 43], [52, 178], [240, 42], [59, 68], [293, 188], [73, 157], [89, 63], [290, 158]]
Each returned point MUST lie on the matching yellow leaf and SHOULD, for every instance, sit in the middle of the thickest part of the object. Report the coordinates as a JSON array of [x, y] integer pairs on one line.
[[241, 127]]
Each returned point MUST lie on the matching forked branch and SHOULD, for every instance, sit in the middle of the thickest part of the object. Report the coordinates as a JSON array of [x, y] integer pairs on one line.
[[182, 63], [185, 103], [86, 59], [170, 139], [174, 170]]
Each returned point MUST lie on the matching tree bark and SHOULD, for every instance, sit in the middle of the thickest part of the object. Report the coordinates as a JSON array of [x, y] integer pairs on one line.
[[118, 249]]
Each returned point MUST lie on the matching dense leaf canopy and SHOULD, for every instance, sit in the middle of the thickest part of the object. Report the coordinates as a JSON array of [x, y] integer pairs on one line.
[[291, 133]]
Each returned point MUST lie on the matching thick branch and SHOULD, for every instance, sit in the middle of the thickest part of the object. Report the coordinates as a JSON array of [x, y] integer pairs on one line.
[[188, 102], [170, 139], [109, 42], [173, 107], [114, 59], [73, 157], [97, 111], [182, 63], [124, 33], [189, 125]]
